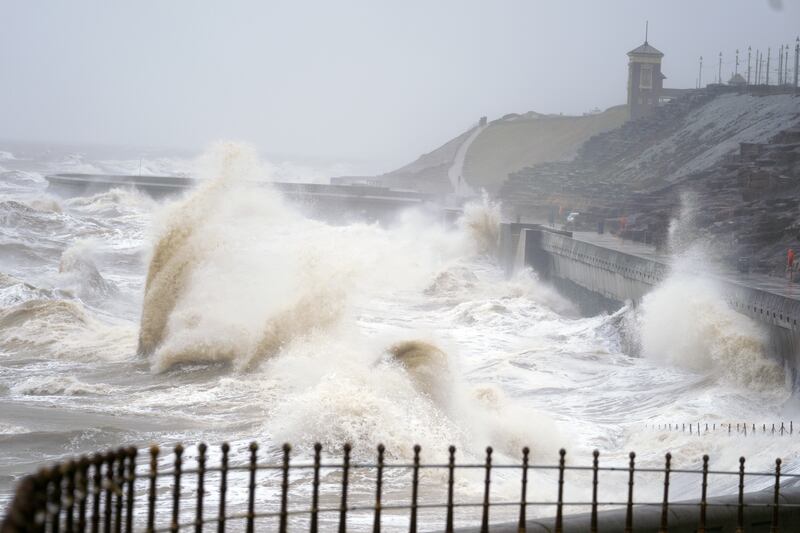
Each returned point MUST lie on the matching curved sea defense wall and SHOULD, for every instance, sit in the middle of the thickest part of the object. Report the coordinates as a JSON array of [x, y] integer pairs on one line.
[[599, 278]]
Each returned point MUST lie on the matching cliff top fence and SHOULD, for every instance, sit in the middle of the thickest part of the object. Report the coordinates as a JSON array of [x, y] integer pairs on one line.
[[112, 491]]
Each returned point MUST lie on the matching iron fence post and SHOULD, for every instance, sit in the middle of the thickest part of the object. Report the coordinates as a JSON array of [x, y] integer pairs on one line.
[[523, 504], [559, 504], [665, 503], [97, 488], [487, 484], [223, 487], [376, 523], [201, 479], [595, 465], [151, 495], [176, 489], [251, 498], [774, 528], [629, 508], [119, 485], [345, 481], [68, 471], [740, 507], [703, 503], [83, 491], [111, 459], [450, 481], [412, 527], [131, 479], [284, 488], [315, 488]]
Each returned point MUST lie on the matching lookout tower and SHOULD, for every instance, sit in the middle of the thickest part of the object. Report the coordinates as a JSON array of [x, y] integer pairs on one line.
[[645, 80]]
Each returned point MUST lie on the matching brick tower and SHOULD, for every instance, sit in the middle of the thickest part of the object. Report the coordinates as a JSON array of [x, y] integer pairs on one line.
[[645, 80]]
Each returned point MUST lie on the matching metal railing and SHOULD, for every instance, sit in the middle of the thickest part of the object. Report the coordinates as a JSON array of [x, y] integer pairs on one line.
[[773, 429], [110, 492]]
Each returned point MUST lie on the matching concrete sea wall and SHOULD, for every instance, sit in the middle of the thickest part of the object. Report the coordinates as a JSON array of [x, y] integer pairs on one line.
[[598, 278]]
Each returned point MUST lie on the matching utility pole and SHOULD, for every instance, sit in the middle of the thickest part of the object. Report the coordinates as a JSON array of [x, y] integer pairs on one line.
[[796, 56], [719, 73], [769, 53], [749, 52], [700, 74], [780, 65]]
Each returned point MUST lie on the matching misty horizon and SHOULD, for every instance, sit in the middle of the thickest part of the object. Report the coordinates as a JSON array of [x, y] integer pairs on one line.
[[348, 82]]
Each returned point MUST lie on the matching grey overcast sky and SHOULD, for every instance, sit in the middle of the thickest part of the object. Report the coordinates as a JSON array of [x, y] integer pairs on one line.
[[380, 81]]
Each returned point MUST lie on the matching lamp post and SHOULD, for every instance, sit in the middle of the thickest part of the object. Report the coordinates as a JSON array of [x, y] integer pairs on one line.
[[736, 67], [786, 65], [700, 74], [769, 53], [758, 67], [749, 52]]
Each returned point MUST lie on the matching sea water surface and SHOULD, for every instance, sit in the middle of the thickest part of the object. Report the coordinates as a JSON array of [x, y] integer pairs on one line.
[[230, 314]]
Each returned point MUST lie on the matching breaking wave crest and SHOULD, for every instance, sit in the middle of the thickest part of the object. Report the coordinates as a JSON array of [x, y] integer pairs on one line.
[[81, 273], [705, 334], [114, 202], [686, 321], [178, 247], [414, 389], [214, 290]]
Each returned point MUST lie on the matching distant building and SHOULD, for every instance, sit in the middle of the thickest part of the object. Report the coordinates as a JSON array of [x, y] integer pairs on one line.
[[737, 80], [645, 79]]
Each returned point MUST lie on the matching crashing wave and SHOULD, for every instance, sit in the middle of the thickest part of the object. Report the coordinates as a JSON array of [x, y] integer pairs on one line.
[[198, 305], [453, 280], [428, 367], [482, 222], [705, 334]]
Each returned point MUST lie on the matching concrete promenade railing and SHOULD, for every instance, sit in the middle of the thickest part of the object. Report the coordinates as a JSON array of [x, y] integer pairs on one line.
[[199, 488]]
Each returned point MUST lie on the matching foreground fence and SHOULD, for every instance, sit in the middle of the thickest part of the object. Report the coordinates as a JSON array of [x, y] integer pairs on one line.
[[112, 491]]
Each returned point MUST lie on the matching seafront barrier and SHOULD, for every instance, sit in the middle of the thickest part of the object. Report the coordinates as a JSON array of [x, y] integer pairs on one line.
[[607, 273], [321, 200], [203, 487]]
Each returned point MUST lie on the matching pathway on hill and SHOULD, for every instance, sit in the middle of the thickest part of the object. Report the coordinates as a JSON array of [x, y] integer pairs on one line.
[[456, 171]]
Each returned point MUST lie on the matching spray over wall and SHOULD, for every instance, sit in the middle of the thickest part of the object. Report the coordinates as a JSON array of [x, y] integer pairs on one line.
[[687, 322], [240, 277]]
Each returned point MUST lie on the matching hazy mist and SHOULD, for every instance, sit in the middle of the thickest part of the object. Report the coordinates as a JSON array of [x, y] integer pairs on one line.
[[374, 81]]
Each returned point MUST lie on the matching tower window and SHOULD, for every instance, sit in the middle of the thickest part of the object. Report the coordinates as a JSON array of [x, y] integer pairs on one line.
[[646, 77]]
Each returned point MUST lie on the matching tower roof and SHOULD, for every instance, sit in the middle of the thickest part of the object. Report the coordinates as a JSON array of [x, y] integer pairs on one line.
[[645, 50], [737, 79]]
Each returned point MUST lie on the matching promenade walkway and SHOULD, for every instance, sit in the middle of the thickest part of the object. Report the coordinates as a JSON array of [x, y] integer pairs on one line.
[[773, 284]]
